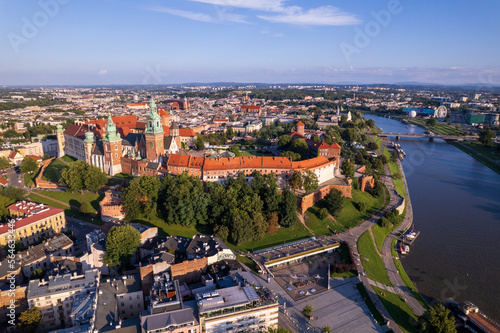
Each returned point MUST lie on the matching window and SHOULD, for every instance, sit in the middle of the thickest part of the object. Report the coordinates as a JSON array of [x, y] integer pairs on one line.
[[123, 304], [131, 306], [116, 147]]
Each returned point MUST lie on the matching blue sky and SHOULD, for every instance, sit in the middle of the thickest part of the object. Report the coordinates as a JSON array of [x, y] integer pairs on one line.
[[175, 41]]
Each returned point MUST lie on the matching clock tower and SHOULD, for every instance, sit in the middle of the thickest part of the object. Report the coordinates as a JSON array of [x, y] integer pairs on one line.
[[154, 134], [112, 145]]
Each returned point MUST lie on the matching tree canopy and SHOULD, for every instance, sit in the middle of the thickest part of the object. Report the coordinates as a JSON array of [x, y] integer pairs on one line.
[[347, 168], [4, 163], [28, 320], [121, 243], [82, 176], [309, 181], [437, 319], [29, 165], [334, 201], [140, 197]]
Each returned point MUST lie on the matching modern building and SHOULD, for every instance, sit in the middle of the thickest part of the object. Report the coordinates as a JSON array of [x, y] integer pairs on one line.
[[33, 222], [237, 309], [55, 297], [40, 256]]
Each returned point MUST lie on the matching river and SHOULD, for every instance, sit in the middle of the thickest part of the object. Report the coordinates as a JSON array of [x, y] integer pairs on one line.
[[456, 206]]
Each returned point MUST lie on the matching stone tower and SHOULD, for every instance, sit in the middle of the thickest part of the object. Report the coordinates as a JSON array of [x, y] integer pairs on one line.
[[154, 134], [300, 128], [88, 143], [112, 145], [60, 140]]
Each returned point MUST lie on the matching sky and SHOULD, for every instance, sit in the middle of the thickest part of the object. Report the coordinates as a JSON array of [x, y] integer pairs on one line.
[[100, 42]]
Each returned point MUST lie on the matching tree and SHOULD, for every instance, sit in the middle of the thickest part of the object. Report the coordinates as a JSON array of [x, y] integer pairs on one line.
[[4, 163], [309, 181], [486, 136], [272, 223], [86, 207], [230, 133], [334, 201], [308, 310], [294, 156], [300, 147], [94, 178], [121, 243], [288, 217], [347, 168], [29, 165], [140, 197], [362, 207], [384, 223], [235, 151], [295, 181], [326, 329], [278, 330], [284, 141], [28, 320], [437, 319], [431, 122], [323, 213], [315, 137], [199, 142]]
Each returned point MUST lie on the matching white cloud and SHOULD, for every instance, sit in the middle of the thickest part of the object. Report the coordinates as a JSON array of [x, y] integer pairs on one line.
[[324, 15], [264, 5], [222, 15], [184, 13], [103, 72]]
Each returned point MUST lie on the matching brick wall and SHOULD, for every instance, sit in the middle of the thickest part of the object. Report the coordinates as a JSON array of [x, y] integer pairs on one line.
[[189, 270], [309, 200]]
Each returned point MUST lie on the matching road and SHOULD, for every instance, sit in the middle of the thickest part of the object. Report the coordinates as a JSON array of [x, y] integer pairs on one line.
[[15, 179]]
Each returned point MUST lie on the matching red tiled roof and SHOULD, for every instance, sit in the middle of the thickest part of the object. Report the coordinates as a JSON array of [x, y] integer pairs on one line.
[[27, 207], [300, 123], [12, 154], [166, 130], [311, 163], [163, 113], [186, 132], [3, 181], [335, 145], [250, 107]]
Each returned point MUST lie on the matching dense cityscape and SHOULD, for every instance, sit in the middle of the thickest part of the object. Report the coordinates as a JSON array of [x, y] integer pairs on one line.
[[271, 166], [220, 208]]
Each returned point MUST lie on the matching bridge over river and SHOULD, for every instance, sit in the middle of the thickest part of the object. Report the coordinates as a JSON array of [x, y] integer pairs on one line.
[[431, 136]]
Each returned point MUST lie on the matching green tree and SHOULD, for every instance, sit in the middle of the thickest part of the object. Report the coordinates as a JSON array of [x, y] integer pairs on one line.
[[362, 207], [29, 165], [278, 330], [300, 147], [334, 201], [315, 137], [347, 168], [326, 329], [308, 310], [73, 176], [4, 163], [94, 178], [288, 216], [284, 141], [4, 202], [431, 122], [199, 142], [121, 243], [437, 319], [323, 213], [86, 207], [294, 156], [295, 181], [235, 151], [28, 320], [384, 223], [309, 181], [140, 197], [230, 133], [486, 136]]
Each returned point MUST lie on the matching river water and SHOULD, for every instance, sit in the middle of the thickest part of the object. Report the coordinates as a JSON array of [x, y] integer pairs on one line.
[[456, 206]]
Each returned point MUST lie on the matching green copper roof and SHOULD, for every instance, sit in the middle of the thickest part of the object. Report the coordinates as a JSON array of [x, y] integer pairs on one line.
[[59, 128], [89, 137], [111, 134], [154, 125]]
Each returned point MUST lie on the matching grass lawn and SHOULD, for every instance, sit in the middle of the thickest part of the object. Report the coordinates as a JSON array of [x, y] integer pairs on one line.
[[490, 152], [398, 309], [472, 149], [320, 226], [248, 262], [405, 278], [380, 234], [374, 266], [368, 301], [54, 170], [256, 153], [394, 169], [68, 159], [74, 198], [68, 211], [283, 235]]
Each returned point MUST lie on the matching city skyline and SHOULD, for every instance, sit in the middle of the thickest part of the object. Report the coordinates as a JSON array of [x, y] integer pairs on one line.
[[62, 42]]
